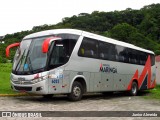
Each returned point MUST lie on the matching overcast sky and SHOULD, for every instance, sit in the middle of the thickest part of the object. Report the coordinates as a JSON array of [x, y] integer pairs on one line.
[[18, 15]]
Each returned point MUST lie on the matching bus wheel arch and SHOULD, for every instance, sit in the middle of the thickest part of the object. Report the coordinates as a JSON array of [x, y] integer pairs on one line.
[[78, 88], [134, 88], [83, 83]]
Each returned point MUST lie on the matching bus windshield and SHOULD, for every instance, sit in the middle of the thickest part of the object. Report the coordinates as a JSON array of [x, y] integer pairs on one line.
[[29, 57]]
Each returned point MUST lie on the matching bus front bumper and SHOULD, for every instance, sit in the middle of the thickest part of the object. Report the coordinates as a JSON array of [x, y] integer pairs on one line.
[[37, 88]]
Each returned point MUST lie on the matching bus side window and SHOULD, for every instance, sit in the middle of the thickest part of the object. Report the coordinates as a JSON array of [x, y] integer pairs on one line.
[[101, 55], [137, 58], [143, 58], [126, 59], [121, 58], [107, 51], [152, 59], [112, 52], [82, 51], [121, 54], [88, 48], [103, 51], [131, 60]]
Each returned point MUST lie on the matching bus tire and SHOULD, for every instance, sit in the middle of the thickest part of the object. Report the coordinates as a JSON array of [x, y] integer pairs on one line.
[[76, 92], [134, 89]]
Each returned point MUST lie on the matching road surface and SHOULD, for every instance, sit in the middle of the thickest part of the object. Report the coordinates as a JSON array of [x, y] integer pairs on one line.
[[94, 102]]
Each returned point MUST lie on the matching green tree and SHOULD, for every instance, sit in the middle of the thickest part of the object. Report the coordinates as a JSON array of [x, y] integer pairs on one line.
[[139, 27], [122, 32], [128, 33]]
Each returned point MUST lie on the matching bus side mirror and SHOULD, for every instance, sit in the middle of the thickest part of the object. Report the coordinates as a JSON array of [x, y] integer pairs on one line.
[[46, 43], [11, 46]]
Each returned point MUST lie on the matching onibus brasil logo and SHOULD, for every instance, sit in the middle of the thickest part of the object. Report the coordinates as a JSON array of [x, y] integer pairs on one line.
[[107, 69]]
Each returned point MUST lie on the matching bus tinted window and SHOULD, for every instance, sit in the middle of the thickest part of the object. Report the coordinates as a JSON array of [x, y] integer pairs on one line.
[[61, 52], [107, 51], [121, 54], [89, 48], [152, 60], [132, 56], [104, 50], [143, 58]]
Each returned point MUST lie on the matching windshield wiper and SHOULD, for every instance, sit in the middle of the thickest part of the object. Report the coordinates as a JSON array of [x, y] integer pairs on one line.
[[20, 60]]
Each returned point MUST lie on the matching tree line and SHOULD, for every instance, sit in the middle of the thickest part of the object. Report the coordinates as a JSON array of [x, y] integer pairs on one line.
[[138, 27]]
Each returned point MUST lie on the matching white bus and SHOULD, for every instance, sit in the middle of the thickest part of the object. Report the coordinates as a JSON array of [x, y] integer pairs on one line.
[[73, 62]]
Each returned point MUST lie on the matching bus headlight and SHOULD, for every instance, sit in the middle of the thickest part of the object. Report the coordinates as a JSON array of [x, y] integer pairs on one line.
[[39, 79]]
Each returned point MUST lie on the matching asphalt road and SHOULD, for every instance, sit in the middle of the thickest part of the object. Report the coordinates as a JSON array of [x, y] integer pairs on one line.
[[95, 102]]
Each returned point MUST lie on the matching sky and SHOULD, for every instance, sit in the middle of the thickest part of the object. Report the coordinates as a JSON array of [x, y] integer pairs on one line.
[[19, 15]]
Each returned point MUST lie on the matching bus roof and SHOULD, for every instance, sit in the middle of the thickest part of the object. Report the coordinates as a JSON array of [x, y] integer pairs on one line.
[[52, 32], [87, 34]]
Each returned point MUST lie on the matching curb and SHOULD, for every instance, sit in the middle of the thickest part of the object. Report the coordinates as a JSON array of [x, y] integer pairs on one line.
[[16, 95]]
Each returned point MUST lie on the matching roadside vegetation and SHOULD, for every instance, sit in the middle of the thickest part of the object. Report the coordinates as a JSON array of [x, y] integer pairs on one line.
[[5, 87], [139, 27], [5, 70], [154, 93]]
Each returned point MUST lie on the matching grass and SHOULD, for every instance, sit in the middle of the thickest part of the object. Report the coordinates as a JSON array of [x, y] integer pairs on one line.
[[5, 71], [154, 93], [5, 87]]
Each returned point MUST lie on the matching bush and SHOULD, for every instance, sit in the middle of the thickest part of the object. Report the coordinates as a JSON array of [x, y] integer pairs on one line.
[[157, 52], [0, 59], [3, 60]]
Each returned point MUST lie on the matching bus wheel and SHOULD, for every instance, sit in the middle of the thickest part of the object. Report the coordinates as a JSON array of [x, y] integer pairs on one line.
[[48, 96], [134, 89], [76, 92]]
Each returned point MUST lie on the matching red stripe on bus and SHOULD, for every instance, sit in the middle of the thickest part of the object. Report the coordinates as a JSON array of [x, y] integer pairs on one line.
[[146, 70], [135, 77]]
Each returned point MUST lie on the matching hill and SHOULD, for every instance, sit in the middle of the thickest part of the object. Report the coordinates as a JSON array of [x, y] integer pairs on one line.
[[138, 27]]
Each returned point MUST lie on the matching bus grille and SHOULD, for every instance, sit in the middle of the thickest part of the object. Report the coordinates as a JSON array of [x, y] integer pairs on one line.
[[24, 82], [23, 88]]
